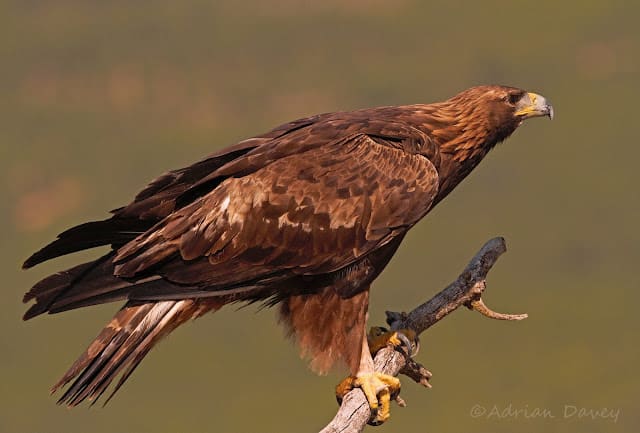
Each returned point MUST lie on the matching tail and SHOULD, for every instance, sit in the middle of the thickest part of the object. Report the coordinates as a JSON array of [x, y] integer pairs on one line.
[[123, 343]]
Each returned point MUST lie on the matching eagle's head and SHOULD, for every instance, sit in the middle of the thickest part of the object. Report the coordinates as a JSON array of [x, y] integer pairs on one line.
[[501, 106], [482, 116]]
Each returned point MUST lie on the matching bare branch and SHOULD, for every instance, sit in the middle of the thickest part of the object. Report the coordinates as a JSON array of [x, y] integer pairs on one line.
[[466, 290], [479, 306]]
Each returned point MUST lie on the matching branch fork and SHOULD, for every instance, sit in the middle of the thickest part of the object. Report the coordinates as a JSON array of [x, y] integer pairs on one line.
[[466, 290]]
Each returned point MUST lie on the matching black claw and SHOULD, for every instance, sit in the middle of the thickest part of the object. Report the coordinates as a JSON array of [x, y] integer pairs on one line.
[[409, 345], [406, 342], [417, 346], [374, 421]]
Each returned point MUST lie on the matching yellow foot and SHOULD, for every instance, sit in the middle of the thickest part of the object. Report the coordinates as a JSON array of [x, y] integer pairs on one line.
[[380, 337], [379, 389]]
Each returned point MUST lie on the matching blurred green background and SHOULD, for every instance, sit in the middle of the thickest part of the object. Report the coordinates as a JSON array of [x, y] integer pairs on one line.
[[100, 97]]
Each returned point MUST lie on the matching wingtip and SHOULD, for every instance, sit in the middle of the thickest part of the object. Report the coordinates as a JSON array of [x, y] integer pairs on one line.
[[33, 311], [35, 259], [27, 297]]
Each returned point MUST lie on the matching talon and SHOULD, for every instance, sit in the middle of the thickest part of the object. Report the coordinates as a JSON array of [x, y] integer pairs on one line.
[[405, 340], [380, 337], [378, 388]]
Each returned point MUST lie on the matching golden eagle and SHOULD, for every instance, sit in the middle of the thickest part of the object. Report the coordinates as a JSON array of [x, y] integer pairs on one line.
[[304, 217]]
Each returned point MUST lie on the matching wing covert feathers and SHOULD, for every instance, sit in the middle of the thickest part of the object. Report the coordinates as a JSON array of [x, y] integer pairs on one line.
[[307, 213]]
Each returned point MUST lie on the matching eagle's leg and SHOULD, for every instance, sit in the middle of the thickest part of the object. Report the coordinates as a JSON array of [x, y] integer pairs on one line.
[[378, 388]]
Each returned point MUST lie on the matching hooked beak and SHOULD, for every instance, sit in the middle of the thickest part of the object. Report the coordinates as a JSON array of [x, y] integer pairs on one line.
[[533, 105]]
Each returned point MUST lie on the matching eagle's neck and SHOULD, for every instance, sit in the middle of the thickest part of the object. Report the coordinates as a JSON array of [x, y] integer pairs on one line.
[[462, 135], [464, 132]]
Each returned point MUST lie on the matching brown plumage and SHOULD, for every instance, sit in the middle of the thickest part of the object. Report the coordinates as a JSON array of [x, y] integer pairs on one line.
[[305, 216]]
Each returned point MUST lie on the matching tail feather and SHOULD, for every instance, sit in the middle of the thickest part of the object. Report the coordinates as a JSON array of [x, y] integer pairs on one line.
[[106, 365], [122, 345], [118, 328]]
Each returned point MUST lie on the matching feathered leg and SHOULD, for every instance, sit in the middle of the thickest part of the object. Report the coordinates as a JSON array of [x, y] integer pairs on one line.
[[378, 388]]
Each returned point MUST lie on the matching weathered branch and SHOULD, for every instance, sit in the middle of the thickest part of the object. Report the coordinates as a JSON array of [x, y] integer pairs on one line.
[[466, 290]]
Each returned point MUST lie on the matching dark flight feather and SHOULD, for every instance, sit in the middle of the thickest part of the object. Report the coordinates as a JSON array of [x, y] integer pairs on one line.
[[114, 231]]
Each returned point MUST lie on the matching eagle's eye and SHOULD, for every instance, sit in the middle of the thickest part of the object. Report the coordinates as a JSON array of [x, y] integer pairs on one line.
[[512, 98]]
